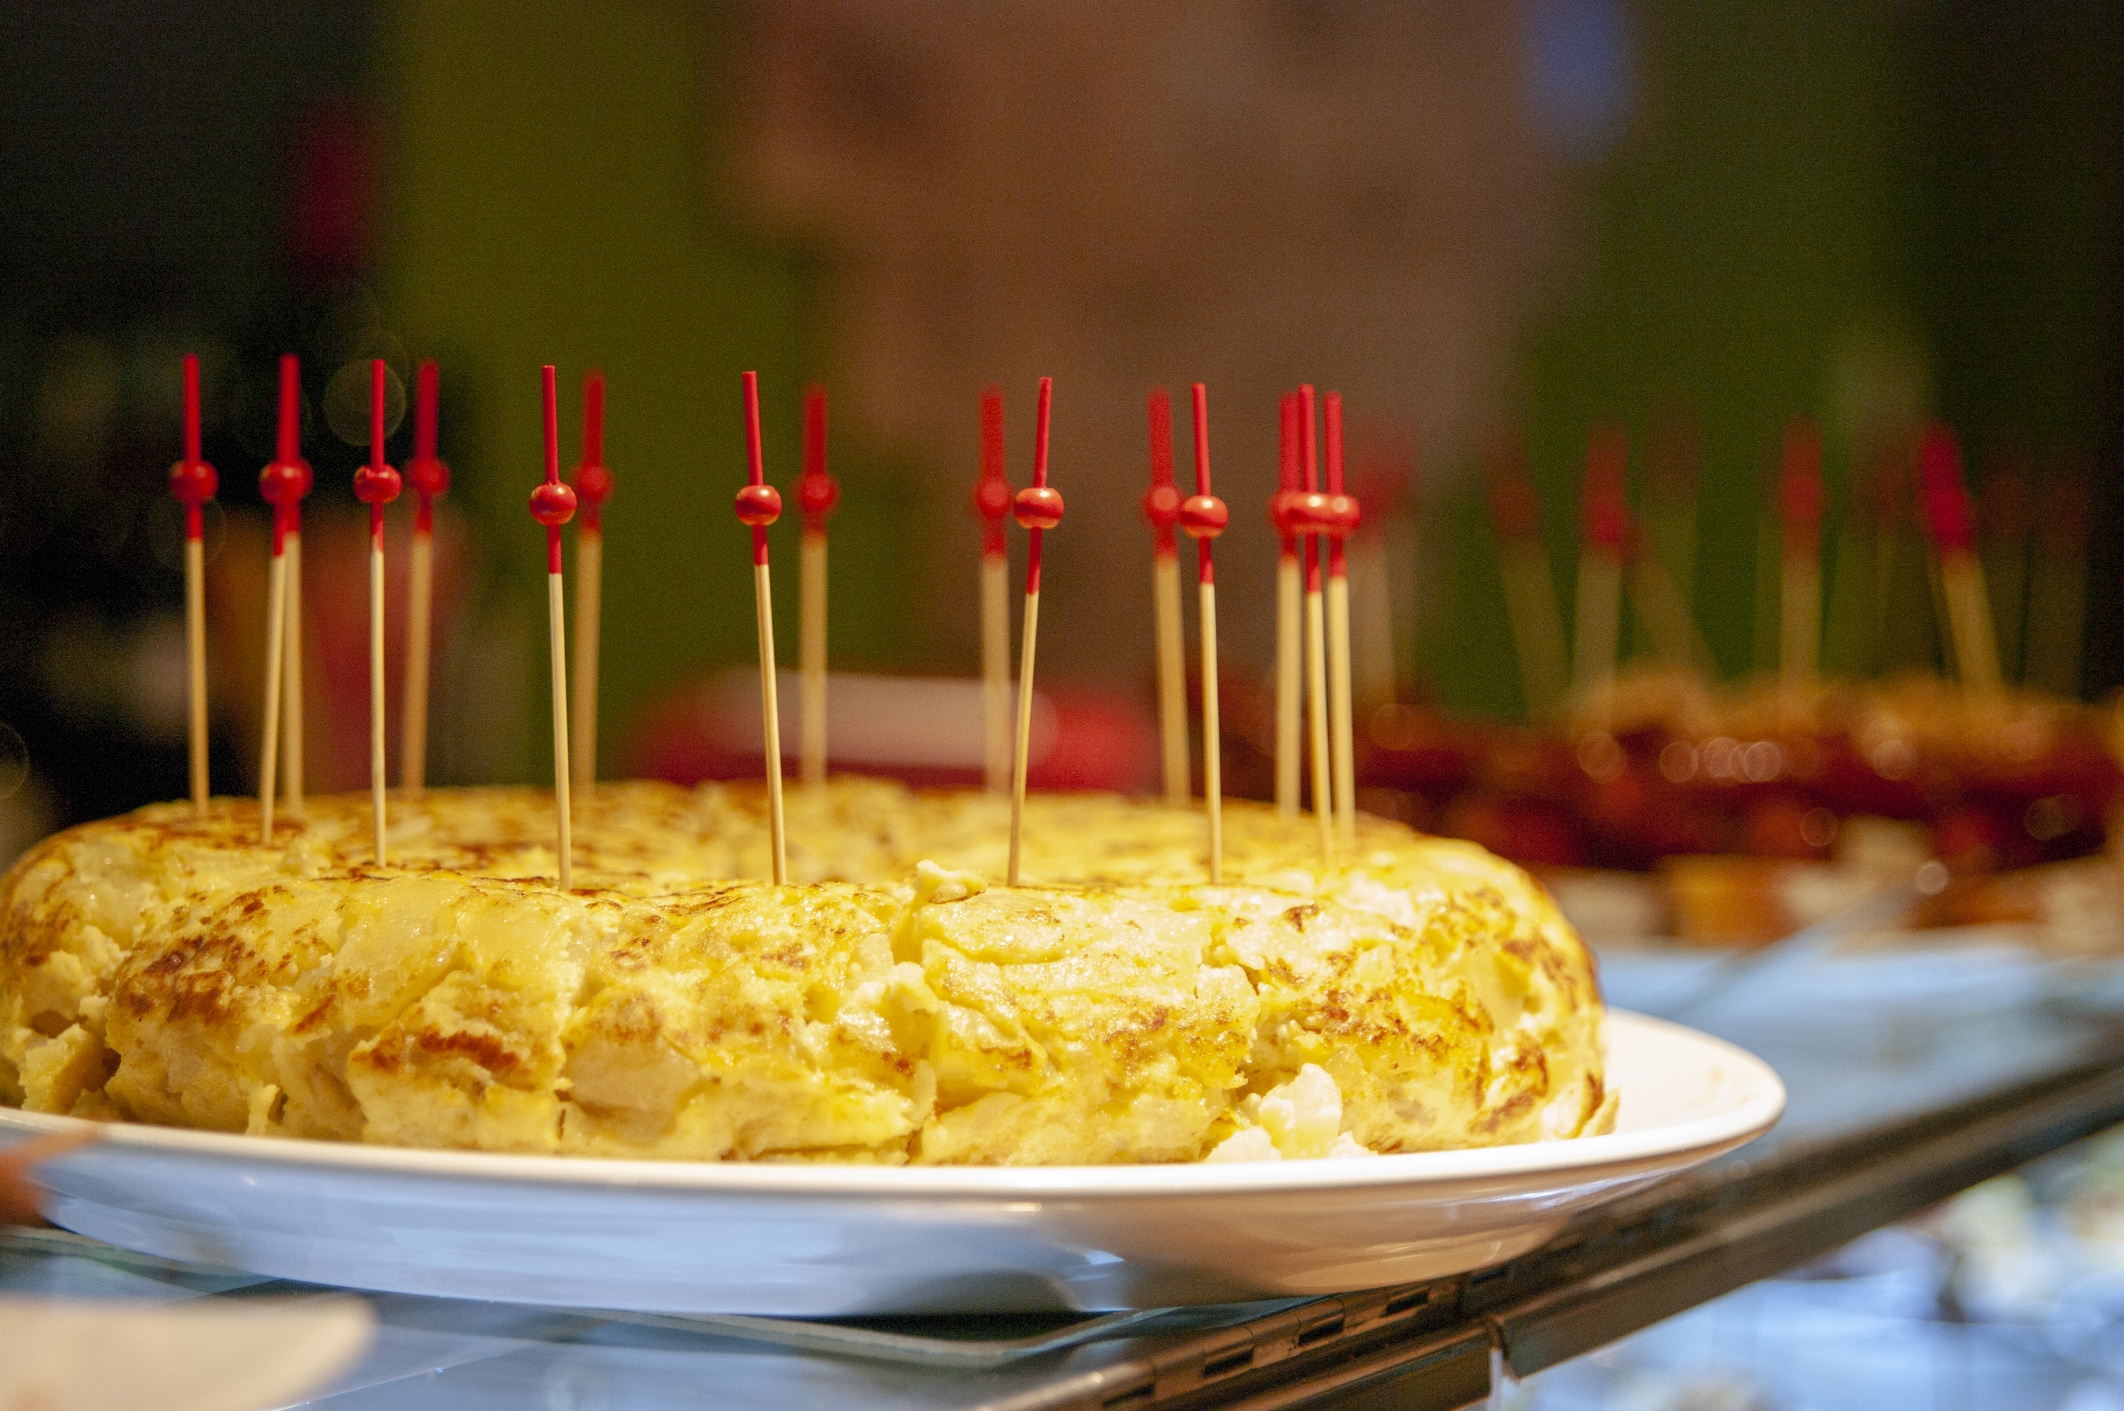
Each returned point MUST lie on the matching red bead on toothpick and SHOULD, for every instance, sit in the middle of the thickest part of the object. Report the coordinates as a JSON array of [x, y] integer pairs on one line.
[[430, 479], [817, 494], [376, 485], [194, 482], [759, 505], [553, 505], [593, 486], [1037, 508], [282, 484], [1203, 516], [991, 501], [1161, 506]]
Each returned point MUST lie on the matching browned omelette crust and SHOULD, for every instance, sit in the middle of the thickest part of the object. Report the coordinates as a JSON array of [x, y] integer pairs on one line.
[[171, 969]]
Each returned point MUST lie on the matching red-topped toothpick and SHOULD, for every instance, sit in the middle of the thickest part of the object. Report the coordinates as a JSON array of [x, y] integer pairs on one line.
[[1038, 508], [991, 500], [553, 505], [194, 482], [430, 479], [593, 486], [1204, 517], [1342, 517], [1605, 536], [376, 485], [282, 484], [1953, 526], [1290, 589], [1161, 506], [817, 494], [1799, 509], [759, 505], [1310, 522]]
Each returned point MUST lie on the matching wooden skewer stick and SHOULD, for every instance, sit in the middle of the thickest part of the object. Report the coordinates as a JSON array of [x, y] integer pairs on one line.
[[553, 504], [1289, 594], [593, 486], [1204, 517], [1161, 506], [1343, 516], [1660, 607], [1312, 525], [817, 494], [1976, 652], [430, 478], [759, 505], [194, 482], [1605, 531], [1038, 508], [282, 485], [376, 485], [292, 738], [991, 500], [1530, 594], [1800, 512]]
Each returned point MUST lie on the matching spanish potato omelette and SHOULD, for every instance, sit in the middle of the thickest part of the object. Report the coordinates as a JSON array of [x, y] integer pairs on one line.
[[889, 1006]]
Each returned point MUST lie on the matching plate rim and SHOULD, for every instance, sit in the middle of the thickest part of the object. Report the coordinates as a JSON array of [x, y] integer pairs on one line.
[[1755, 1111]]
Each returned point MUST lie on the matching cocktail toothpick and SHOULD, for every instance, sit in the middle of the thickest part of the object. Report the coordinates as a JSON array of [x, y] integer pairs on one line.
[[1038, 508], [1290, 587], [991, 500], [1161, 506], [282, 484], [1343, 515], [193, 482], [1204, 517], [293, 740], [1530, 593], [1311, 523], [376, 485], [553, 504], [430, 479], [1799, 505], [1604, 532], [817, 494], [1947, 511], [759, 505], [593, 486]]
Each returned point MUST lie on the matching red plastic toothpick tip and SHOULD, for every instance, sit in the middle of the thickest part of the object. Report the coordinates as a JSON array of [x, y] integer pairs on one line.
[[1202, 515], [1605, 510], [1947, 508], [1284, 504], [1799, 492], [552, 502], [192, 480], [817, 492], [376, 484], [1038, 506], [1161, 503], [991, 493], [758, 503], [284, 482], [429, 477], [593, 481]]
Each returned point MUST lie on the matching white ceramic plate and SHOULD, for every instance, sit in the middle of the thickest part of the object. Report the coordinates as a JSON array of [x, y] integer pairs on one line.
[[840, 1240]]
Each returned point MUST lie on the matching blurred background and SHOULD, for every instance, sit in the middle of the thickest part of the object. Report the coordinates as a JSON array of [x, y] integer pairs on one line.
[[1485, 225]]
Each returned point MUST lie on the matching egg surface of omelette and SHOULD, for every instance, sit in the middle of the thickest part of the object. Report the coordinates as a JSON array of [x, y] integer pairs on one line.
[[889, 1007]]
